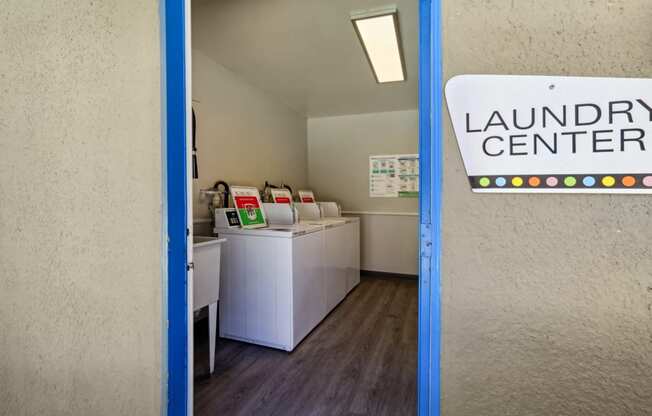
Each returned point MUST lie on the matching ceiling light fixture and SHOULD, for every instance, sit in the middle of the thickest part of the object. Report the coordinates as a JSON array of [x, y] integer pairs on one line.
[[380, 36]]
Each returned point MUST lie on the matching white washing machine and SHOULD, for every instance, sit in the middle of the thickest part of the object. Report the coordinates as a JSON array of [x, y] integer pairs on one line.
[[341, 251], [330, 211], [272, 284]]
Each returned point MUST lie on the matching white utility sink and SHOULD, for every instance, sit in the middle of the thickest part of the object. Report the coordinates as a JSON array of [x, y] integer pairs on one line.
[[206, 282]]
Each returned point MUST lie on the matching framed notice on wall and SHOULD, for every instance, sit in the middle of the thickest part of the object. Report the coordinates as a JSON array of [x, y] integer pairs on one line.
[[306, 197], [394, 176], [281, 196], [248, 206]]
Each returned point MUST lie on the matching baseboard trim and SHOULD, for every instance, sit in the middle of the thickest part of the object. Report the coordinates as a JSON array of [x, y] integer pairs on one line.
[[374, 273]]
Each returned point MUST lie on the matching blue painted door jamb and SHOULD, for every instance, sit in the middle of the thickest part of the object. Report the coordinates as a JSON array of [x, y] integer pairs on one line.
[[430, 153], [430, 111], [174, 136]]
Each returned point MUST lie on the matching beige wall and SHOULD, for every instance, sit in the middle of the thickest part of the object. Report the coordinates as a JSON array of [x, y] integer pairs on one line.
[[546, 298], [338, 170], [338, 156], [244, 136], [80, 208]]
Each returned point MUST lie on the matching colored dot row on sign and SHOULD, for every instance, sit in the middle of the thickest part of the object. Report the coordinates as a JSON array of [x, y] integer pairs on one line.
[[570, 181]]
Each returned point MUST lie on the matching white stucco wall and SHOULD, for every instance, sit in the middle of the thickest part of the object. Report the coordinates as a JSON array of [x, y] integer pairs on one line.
[[80, 208], [546, 298]]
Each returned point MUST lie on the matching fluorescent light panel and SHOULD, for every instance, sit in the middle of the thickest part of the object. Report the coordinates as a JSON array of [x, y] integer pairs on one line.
[[379, 34]]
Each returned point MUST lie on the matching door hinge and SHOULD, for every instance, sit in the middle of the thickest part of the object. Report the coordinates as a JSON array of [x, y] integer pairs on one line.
[[426, 241], [190, 266]]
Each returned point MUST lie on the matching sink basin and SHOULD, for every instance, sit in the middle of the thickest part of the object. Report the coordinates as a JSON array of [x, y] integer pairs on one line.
[[200, 240], [206, 283], [206, 274]]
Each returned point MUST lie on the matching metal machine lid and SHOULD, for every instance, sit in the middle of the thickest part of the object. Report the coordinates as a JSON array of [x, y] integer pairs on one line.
[[301, 228], [281, 231], [326, 222]]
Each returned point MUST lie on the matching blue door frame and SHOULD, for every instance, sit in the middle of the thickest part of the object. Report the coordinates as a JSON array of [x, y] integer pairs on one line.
[[175, 158], [173, 31], [430, 171]]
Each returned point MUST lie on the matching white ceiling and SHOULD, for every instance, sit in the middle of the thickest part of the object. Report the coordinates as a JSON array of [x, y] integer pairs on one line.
[[306, 52]]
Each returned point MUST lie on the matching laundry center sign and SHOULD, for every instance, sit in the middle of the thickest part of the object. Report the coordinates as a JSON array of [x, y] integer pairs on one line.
[[553, 134]]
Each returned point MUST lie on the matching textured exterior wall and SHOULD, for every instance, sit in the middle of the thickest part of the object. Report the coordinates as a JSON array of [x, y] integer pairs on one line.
[[80, 216], [546, 298]]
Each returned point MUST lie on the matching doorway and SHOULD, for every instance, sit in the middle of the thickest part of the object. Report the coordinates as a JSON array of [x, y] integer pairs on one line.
[[176, 41]]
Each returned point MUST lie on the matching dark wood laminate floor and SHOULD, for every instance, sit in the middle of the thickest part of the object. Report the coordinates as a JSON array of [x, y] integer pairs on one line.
[[361, 360]]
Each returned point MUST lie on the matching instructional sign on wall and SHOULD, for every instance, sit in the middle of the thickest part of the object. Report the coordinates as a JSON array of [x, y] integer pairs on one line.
[[553, 134], [249, 207], [394, 176]]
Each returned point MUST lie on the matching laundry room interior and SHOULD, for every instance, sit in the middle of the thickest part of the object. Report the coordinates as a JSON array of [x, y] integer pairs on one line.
[[305, 190]]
